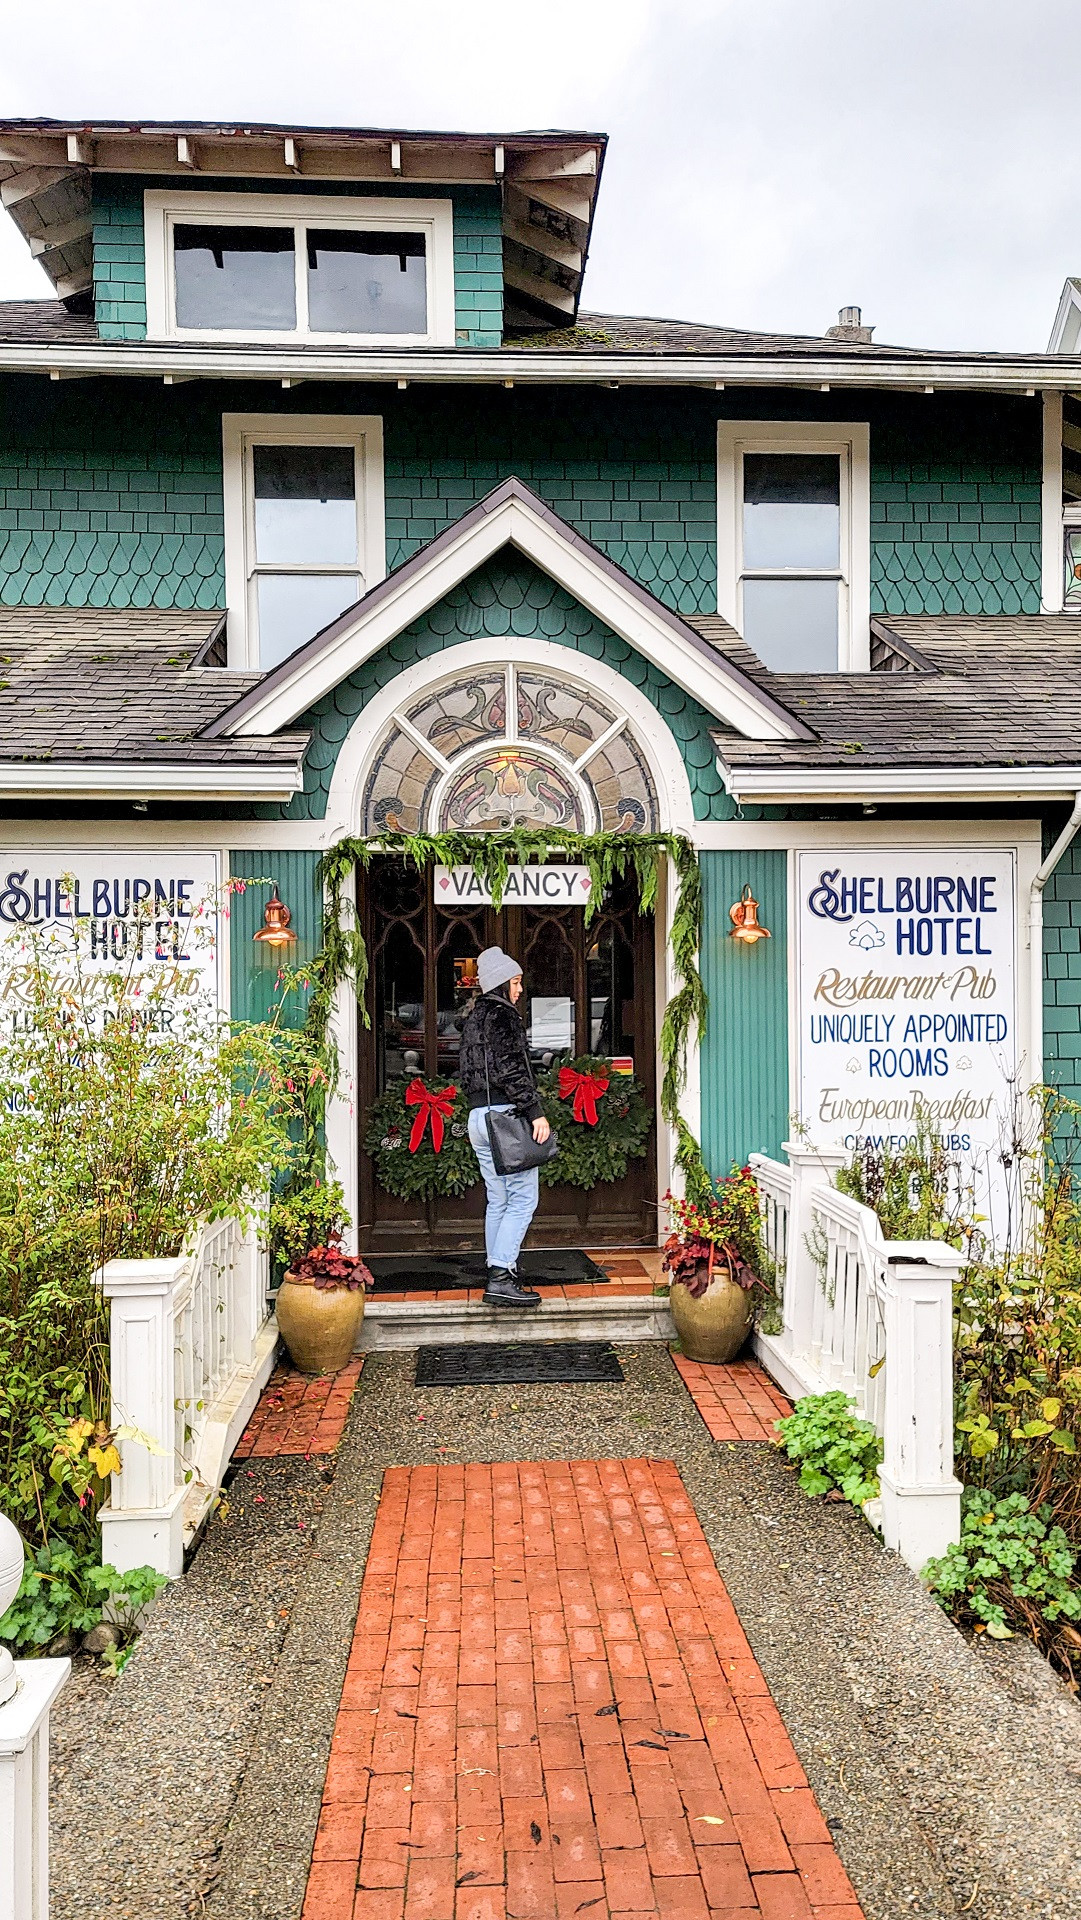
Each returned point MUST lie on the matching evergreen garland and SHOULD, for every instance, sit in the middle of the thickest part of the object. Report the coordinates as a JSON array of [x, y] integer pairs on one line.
[[419, 1175], [608, 856], [591, 1155]]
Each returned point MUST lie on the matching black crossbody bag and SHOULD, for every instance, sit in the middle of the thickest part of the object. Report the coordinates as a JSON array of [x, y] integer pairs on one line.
[[510, 1136]]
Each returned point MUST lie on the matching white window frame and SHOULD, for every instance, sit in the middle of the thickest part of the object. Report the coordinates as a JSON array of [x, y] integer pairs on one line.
[[163, 210], [851, 440], [241, 432]]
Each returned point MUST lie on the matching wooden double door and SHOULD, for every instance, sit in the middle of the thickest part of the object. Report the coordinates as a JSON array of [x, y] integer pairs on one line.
[[587, 990]]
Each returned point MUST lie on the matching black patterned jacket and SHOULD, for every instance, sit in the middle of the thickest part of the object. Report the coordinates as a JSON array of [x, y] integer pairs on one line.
[[492, 1031]]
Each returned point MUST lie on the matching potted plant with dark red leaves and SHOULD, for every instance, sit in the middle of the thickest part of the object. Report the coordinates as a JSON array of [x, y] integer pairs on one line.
[[321, 1305], [715, 1258]]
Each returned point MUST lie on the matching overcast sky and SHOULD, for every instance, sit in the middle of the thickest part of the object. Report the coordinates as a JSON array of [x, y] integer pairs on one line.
[[770, 160]]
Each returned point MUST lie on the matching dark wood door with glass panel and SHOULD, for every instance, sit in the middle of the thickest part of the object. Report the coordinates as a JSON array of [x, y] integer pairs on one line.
[[587, 990]]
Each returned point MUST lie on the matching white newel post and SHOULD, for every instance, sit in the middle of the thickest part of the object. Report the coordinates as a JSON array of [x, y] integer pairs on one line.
[[143, 1523], [27, 1691], [24, 1790], [812, 1169], [921, 1498]]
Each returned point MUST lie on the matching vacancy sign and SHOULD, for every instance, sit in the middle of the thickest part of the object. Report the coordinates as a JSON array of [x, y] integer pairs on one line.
[[534, 886], [906, 998]]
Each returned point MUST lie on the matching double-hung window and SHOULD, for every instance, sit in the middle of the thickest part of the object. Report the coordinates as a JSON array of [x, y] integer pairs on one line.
[[304, 533], [793, 544], [282, 267]]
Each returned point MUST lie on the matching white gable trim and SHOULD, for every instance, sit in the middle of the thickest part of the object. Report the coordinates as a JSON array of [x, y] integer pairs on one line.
[[1066, 332], [650, 729], [353, 641]]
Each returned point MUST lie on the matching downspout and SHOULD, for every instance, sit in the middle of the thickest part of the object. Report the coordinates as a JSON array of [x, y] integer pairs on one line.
[[1035, 927]]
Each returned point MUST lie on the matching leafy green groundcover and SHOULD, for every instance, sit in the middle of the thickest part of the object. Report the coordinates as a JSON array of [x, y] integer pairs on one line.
[[1011, 1567], [834, 1447], [64, 1593]]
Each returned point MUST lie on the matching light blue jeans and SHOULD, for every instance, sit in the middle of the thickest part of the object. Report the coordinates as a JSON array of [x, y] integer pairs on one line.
[[512, 1197]]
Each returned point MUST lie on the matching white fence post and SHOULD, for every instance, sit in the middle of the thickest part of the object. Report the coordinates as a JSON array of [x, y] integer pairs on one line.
[[812, 1169], [921, 1498], [24, 1790], [143, 1522], [191, 1348]]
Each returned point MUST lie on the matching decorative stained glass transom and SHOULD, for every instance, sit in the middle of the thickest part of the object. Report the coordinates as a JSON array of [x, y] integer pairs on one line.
[[507, 747]]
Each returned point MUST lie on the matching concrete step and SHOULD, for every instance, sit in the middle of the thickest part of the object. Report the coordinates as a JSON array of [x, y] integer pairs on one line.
[[444, 1323]]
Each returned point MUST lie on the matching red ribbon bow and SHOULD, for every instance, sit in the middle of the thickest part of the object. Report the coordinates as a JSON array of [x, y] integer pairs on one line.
[[587, 1089], [435, 1107]]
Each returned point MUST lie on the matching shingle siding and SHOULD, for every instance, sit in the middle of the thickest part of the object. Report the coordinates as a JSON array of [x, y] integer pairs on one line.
[[955, 508], [111, 492]]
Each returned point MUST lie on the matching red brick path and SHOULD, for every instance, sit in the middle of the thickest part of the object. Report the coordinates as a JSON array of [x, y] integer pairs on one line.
[[478, 1770], [738, 1402], [299, 1414]]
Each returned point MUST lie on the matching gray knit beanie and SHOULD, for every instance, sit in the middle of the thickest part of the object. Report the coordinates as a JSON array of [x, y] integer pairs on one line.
[[494, 967]]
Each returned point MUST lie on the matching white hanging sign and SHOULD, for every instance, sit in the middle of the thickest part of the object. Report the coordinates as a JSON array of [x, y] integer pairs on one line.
[[906, 997], [533, 886]]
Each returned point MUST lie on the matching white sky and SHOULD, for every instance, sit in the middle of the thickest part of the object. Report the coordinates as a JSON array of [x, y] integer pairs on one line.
[[770, 160]]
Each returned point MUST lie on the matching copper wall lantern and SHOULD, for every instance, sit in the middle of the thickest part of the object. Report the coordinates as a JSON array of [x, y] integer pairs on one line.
[[745, 921], [275, 930]]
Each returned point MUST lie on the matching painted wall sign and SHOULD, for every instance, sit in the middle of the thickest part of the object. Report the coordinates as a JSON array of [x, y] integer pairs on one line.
[[906, 997], [532, 886], [148, 913]]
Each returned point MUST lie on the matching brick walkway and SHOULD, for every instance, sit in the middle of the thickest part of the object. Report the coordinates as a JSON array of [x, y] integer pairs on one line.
[[738, 1402], [550, 1710], [299, 1413]]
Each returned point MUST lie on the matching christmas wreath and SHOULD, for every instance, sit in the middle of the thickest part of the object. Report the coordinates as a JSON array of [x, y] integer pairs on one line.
[[603, 1120], [418, 1138]]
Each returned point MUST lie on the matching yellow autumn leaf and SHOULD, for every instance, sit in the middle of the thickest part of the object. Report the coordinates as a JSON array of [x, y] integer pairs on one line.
[[711, 1819], [141, 1439], [106, 1460], [1050, 1409], [79, 1431]]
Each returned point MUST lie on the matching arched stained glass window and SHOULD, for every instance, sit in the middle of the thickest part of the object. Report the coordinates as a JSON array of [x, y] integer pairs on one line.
[[508, 746]]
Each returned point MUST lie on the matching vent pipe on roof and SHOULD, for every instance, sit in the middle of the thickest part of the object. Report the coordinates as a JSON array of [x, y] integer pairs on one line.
[[849, 326]]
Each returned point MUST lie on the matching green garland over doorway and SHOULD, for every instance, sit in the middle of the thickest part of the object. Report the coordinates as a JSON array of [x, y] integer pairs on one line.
[[608, 856]]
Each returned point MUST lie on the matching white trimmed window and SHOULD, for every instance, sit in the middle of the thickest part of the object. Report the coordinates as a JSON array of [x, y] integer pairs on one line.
[[304, 526], [793, 541], [279, 267]]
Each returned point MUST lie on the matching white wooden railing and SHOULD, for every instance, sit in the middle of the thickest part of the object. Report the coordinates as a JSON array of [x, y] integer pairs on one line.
[[191, 1348], [874, 1319]]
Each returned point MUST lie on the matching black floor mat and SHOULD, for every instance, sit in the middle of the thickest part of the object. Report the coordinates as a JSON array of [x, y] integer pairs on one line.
[[517, 1363], [429, 1272]]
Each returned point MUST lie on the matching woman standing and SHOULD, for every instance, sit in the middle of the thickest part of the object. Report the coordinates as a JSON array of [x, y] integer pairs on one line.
[[496, 1072]]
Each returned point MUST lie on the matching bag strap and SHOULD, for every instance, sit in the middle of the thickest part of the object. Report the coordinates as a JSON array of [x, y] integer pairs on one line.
[[487, 1080]]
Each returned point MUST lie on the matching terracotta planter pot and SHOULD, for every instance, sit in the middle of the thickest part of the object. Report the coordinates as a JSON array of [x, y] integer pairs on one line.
[[319, 1324], [714, 1327]]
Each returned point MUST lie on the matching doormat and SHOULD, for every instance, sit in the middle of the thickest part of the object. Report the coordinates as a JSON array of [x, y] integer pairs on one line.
[[439, 1272], [492, 1365]]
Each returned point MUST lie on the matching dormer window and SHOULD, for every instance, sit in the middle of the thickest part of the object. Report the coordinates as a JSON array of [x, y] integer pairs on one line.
[[279, 267]]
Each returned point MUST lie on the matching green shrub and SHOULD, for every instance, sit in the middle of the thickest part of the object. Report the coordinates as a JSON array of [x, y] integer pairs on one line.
[[132, 1115], [834, 1447], [1012, 1568], [67, 1591], [310, 1214]]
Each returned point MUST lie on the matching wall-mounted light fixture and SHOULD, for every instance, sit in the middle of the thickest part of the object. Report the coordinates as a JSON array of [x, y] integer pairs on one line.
[[745, 922], [275, 930]]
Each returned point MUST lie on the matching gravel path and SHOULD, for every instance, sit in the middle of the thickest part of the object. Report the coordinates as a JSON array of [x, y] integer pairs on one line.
[[950, 1777]]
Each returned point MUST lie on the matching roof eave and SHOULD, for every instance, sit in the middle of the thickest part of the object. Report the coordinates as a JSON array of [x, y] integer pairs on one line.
[[802, 786], [150, 780], [1014, 374]]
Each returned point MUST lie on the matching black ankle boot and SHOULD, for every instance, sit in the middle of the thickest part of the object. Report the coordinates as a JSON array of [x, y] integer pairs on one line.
[[504, 1289]]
